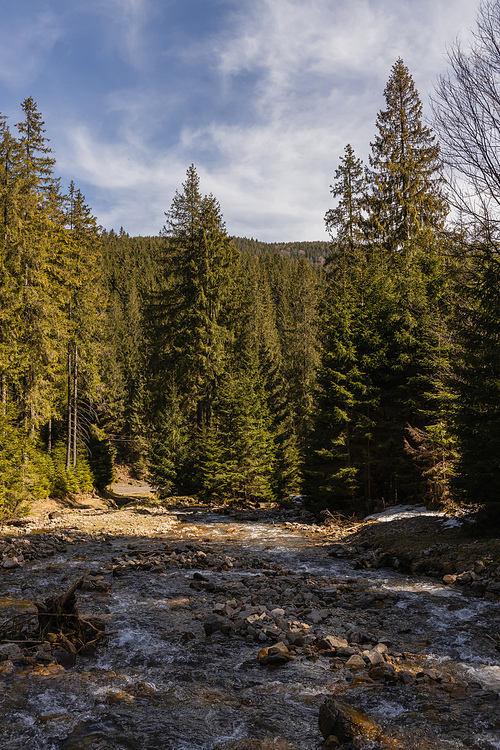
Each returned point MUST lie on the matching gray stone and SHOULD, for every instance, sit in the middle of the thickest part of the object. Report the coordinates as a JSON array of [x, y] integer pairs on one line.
[[214, 624], [10, 651], [331, 643], [382, 672], [277, 613], [355, 662], [374, 657], [275, 656]]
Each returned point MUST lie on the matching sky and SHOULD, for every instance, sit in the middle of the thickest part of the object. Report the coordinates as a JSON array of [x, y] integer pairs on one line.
[[262, 96]]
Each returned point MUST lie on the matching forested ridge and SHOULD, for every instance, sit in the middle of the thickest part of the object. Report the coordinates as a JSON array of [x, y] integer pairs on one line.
[[362, 371]]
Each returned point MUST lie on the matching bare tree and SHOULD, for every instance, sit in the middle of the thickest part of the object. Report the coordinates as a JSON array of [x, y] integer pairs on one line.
[[466, 107]]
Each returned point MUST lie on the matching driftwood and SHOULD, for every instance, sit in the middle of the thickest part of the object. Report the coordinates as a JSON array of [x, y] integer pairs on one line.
[[59, 612], [58, 623]]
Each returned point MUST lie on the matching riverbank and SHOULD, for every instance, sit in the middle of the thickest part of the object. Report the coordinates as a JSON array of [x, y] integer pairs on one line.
[[228, 627]]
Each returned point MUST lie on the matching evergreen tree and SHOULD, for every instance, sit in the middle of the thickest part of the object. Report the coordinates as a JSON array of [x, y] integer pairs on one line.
[[170, 448], [85, 303], [245, 434], [189, 319], [405, 196], [130, 269], [34, 263], [339, 463], [9, 318], [191, 328], [345, 222], [477, 382], [380, 350]]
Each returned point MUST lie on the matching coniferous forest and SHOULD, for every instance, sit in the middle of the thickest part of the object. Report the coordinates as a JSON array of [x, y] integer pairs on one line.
[[361, 371]]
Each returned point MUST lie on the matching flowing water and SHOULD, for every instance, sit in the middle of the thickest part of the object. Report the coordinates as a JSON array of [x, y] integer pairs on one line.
[[159, 684]]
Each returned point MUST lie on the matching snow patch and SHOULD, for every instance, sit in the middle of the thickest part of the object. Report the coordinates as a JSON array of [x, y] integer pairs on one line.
[[398, 512]]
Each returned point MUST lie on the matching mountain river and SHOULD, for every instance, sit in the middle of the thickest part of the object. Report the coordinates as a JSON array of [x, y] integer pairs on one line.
[[167, 678]]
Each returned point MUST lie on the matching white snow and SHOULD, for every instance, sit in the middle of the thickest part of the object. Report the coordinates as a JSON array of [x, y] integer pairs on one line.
[[396, 512]]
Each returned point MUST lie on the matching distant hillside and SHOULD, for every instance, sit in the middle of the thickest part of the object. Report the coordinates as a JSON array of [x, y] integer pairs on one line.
[[314, 252]]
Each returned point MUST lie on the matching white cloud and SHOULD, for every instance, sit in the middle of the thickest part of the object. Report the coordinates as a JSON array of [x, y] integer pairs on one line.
[[26, 45], [317, 73], [130, 17]]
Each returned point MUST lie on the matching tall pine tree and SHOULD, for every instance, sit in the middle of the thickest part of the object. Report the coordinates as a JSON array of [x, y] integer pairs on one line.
[[405, 196]]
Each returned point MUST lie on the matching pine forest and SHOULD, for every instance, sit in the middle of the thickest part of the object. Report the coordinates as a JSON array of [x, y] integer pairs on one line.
[[358, 372]]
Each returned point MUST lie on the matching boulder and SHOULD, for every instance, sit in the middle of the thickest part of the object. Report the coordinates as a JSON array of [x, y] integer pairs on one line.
[[355, 662], [214, 624], [374, 657], [382, 672], [6, 668], [346, 723], [10, 652], [275, 656], [331, 643]]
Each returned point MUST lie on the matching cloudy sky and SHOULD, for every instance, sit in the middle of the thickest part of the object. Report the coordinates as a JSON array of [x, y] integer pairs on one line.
[[261, 95]]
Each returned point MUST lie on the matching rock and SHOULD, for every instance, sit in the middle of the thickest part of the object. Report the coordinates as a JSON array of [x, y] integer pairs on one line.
[[64, 659], [274, 743], [316, 616], [466, 577], [275, 656], [6, 668], [10, 652], [331, 643], [479, 567], [374, 657], [406, 677], [331, 742], [277, 613], [365, 601], [345, 722], [478, 588], [355, 662], [449, 579], [199, 577], [382, 672], [10, 562], [214, 624]]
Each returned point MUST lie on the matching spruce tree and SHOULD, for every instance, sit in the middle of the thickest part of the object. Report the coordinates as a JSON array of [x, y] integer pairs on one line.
[[192, 327], [85, 303], [405, 196], [339, 464], [345, 222], [34, 262], [477, 384], [380, 343], [189, 317]]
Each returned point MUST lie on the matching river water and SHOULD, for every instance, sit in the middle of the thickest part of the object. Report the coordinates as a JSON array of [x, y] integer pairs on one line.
[[158, 683]]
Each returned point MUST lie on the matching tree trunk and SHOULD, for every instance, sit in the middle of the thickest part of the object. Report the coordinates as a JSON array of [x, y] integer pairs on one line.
[[3, 386], [75, 401], [68, 442]]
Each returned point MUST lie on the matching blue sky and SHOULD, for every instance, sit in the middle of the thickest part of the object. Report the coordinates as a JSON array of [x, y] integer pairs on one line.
[[261, 95]]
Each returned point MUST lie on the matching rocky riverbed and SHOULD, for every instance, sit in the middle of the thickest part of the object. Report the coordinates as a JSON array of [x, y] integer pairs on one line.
[[247, 629]]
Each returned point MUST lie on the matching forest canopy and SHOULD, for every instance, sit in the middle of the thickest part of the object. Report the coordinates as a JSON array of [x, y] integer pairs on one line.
[[360, 371]]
